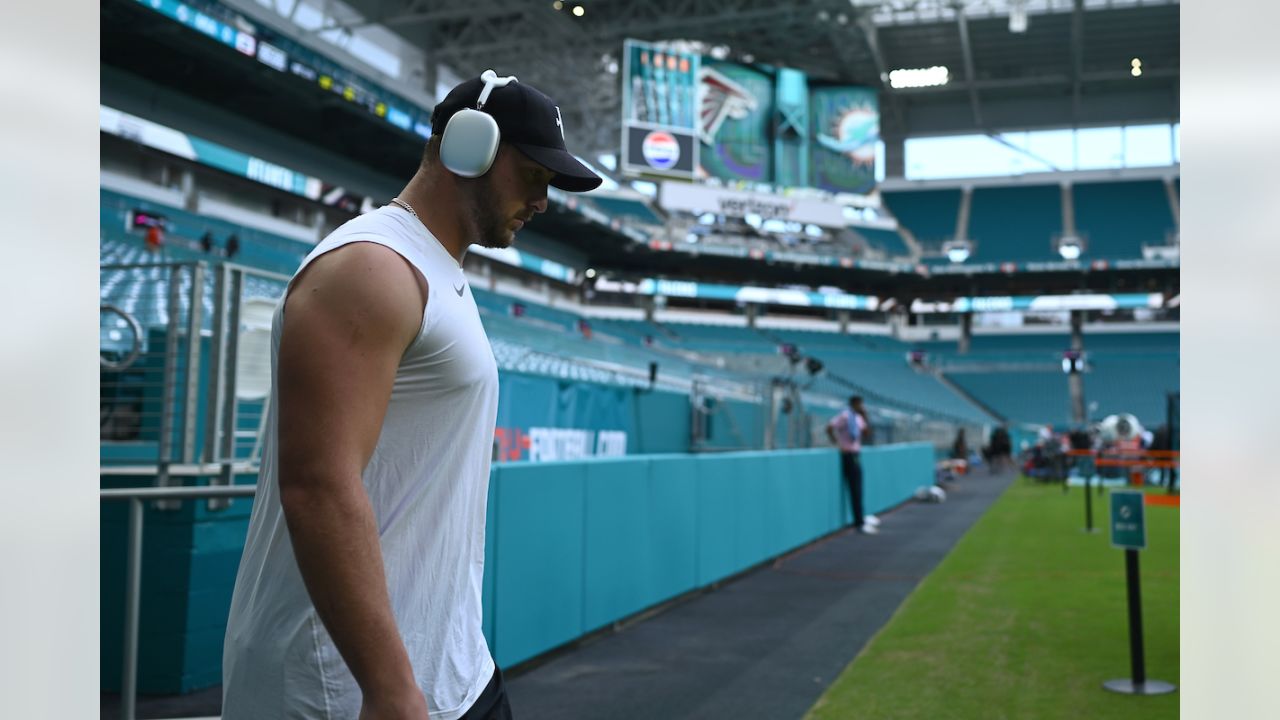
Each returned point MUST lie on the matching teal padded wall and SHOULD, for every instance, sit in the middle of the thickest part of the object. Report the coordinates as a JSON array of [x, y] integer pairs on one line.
[[640, 523], [570, 547], [892, 473], [538, 583], [662, 423], [190, 557], [652, 528]]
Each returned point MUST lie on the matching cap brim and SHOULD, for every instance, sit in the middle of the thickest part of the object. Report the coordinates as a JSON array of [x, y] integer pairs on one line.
[[571, 175]]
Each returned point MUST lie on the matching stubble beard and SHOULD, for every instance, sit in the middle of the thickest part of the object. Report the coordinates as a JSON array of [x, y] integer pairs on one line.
[[489, 226]]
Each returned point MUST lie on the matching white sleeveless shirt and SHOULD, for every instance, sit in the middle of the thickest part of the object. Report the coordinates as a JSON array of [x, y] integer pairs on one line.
[[427, 481]]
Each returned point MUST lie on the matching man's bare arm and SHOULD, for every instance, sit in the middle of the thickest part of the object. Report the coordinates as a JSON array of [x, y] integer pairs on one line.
[[348, 320]]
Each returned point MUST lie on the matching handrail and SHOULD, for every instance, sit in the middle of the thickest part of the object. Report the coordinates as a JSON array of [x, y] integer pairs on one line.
[[187, 492], [133, 569]]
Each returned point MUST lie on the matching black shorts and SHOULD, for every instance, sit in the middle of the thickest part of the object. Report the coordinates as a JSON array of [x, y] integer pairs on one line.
[[492, 703]]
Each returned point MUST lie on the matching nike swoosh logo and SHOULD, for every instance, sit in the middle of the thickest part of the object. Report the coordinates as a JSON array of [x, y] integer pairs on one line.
[[460, 289]]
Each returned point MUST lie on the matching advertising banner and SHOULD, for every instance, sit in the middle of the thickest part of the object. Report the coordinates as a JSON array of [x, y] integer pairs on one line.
[[690, 197], [688, 116], [749, 294], [659, 112]]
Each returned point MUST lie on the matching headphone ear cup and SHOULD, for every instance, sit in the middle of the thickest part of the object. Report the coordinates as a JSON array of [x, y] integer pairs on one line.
[[469, 143]]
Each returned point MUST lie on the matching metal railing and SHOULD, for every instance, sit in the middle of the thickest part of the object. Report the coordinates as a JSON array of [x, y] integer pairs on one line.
[[176, 340], [133, 568]]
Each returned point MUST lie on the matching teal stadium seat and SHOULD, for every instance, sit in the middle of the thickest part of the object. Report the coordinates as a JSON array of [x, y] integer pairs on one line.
[[1130, 372], [930, 215], [625, 209], [887, 241], [1118, 218], [1015, 224]]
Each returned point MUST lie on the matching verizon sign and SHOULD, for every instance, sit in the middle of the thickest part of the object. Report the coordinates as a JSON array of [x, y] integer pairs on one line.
[[686, 197]]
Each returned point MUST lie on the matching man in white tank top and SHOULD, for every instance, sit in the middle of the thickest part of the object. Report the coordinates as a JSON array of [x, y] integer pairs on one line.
[[358, 594]]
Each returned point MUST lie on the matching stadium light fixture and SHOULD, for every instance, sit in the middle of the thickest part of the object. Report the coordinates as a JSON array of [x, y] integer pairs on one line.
[[579, 11], [957, 251], [557, 5], [1017, 17], [919, 77], [1069, 251]]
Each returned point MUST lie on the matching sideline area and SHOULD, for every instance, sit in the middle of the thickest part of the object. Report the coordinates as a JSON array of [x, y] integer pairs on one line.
[[1025, 619], [763, 645]]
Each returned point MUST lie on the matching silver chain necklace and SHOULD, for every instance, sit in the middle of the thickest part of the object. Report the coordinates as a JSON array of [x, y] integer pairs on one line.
[[400, 203]]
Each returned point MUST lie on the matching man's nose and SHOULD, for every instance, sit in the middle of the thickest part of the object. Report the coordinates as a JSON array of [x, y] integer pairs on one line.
[[540, 205]]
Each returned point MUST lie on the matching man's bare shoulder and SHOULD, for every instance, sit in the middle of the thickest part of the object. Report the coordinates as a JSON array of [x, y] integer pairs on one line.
[[364, 284]]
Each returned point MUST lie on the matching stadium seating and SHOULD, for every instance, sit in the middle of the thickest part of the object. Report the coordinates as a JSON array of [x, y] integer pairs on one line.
[[1118, 218], [1022, 397], [550, 341], [258, 249], [1015, 223], [887, 241], [929, 214], [624, 209], [1023, 381]]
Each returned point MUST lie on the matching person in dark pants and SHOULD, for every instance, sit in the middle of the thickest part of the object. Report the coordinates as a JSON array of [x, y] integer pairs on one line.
[[846, 431], [960, 448]]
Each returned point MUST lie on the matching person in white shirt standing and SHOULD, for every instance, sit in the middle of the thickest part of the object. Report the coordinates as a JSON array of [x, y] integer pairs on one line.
[[846, 431], [359, 591]]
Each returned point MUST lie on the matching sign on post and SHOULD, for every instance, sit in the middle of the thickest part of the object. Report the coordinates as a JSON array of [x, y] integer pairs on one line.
[[1129, 533], [1128, 520]]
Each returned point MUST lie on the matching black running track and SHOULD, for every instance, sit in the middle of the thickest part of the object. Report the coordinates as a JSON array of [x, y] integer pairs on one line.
[[763, 645]]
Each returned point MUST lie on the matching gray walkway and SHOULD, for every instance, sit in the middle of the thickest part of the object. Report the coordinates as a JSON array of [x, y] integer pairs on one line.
[[765, 645]]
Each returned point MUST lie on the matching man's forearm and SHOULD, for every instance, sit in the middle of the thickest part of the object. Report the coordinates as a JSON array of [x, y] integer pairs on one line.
[[335, 541]]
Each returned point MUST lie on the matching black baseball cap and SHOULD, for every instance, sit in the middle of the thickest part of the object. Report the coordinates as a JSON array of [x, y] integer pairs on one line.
[[527, 119]]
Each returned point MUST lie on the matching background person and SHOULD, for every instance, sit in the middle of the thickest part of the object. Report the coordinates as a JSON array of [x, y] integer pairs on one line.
[[846, 430]]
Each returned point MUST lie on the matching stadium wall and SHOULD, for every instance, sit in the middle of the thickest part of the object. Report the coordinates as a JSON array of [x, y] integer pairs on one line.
[[570, 547]]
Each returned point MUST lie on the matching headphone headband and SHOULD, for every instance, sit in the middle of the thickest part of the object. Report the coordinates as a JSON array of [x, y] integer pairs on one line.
[[491, 81]]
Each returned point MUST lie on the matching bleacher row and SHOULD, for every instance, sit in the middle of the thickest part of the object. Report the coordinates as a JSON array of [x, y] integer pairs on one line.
[[1006, 224], [1020, 376], [1018, 224], [1129, 373]]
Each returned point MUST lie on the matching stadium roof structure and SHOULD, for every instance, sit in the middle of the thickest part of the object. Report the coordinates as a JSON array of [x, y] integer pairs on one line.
[[1069, 63]]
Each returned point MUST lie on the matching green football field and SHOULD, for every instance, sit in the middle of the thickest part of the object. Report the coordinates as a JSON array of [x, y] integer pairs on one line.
[[1026, 618]]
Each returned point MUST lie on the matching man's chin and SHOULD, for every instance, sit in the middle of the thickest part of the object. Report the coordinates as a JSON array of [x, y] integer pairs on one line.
[[500, 242]]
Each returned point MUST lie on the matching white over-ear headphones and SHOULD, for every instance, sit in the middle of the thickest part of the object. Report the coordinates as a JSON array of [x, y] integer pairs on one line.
[[471, 137]]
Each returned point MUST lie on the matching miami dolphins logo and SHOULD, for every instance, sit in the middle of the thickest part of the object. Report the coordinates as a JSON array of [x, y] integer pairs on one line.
[[854, 133]]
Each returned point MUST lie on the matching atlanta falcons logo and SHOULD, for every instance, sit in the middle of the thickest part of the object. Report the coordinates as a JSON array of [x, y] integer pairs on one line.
[[721, 98]]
